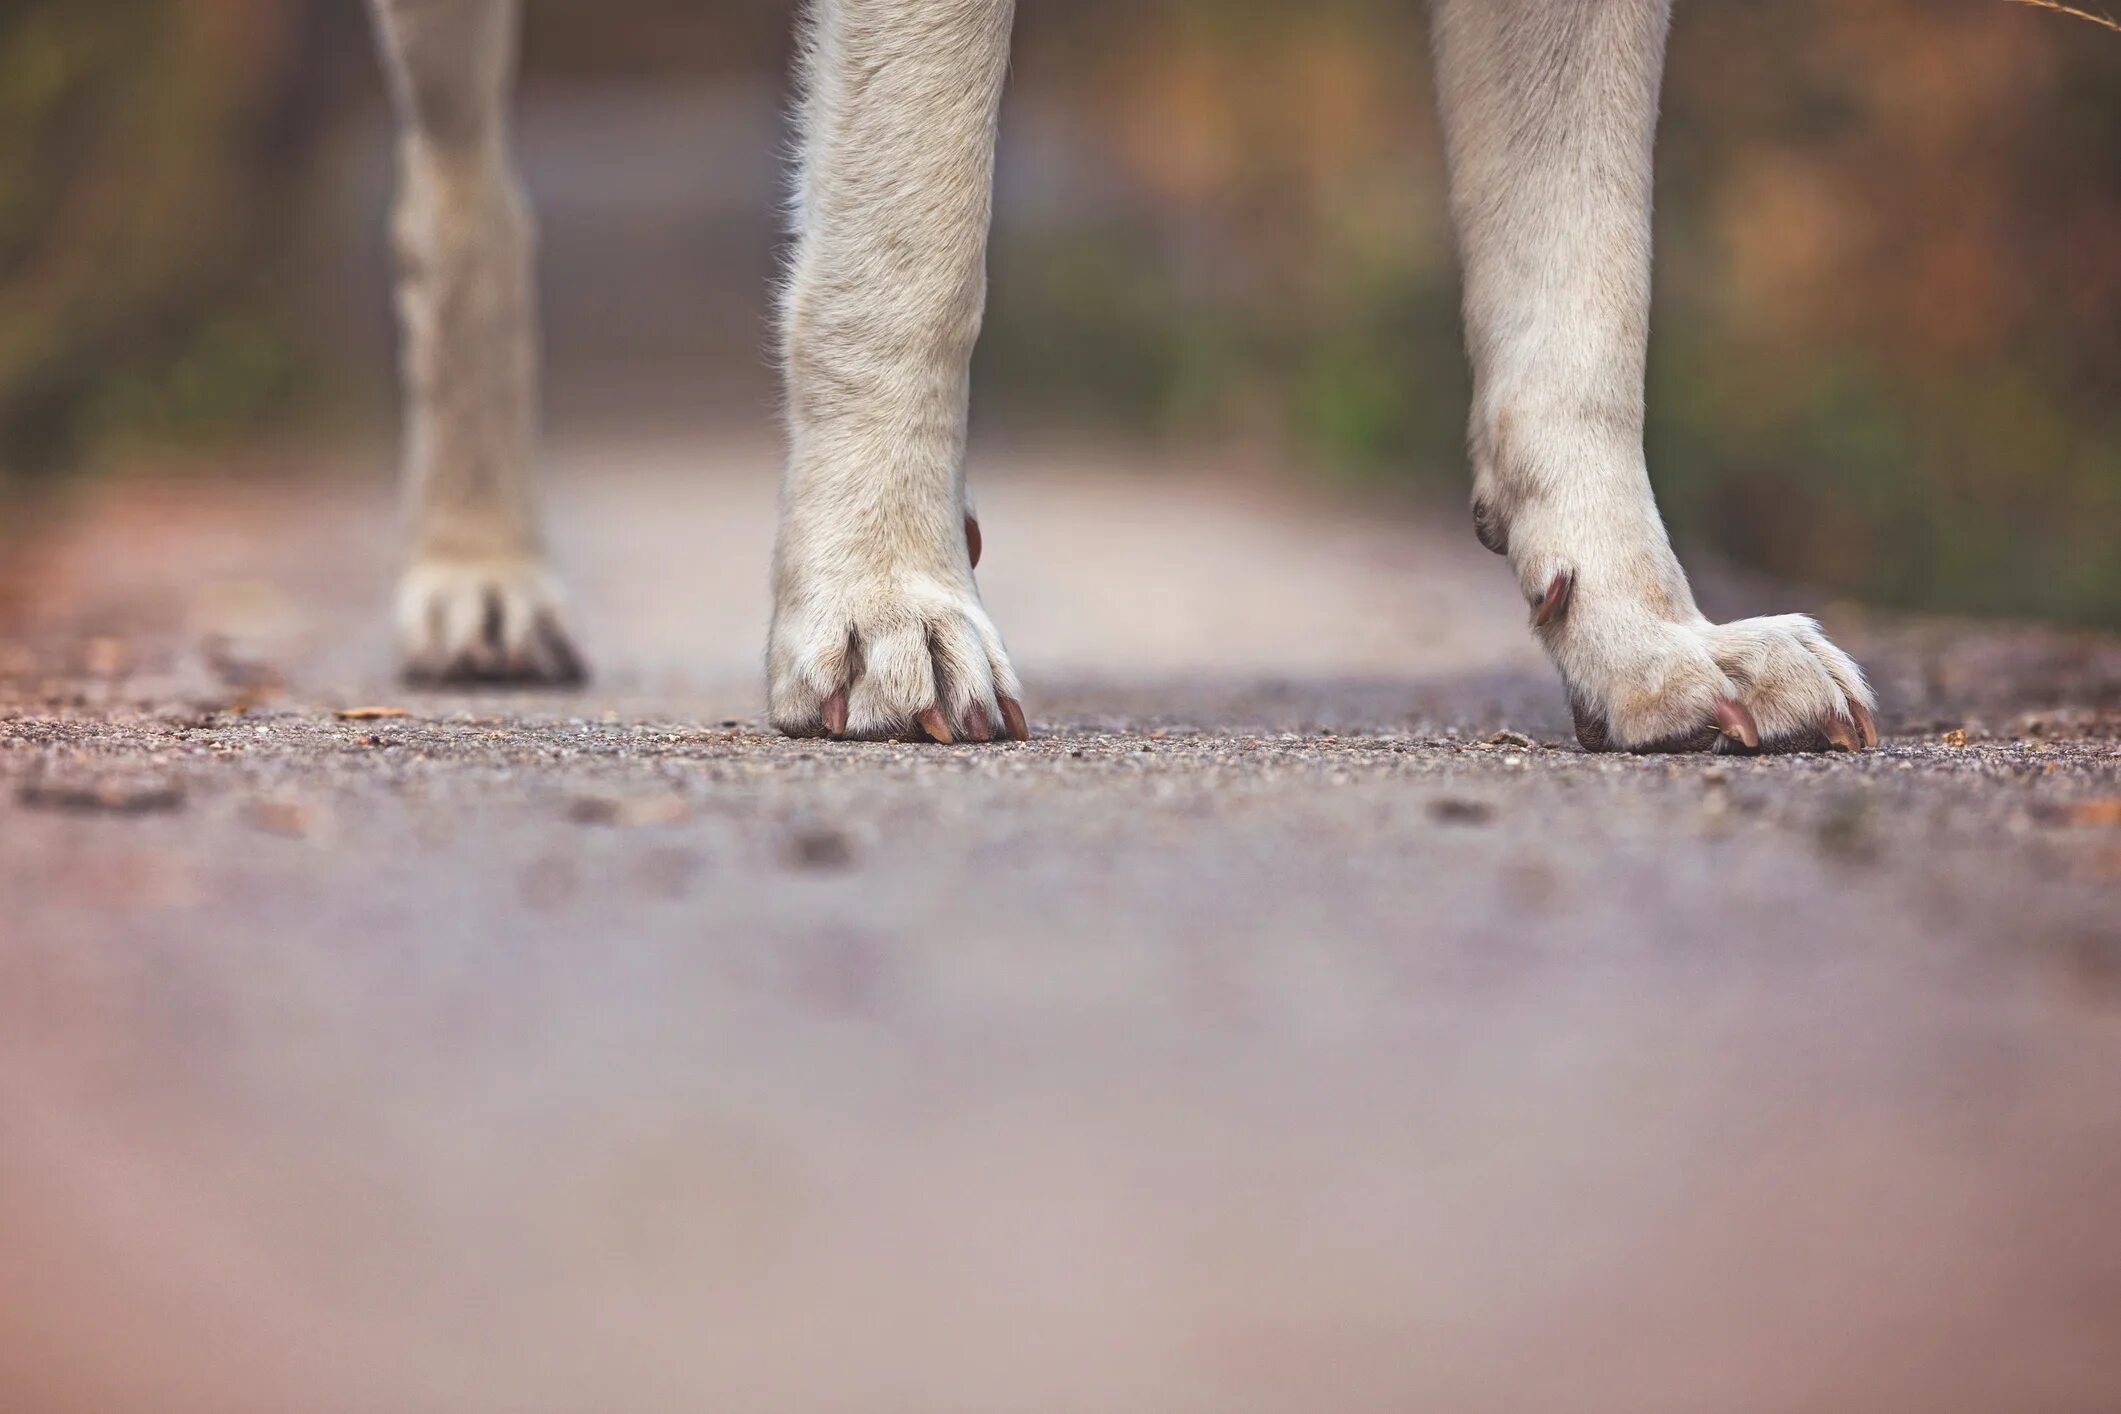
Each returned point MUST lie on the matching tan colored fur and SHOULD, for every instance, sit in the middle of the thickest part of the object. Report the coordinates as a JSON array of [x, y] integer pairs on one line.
[[477, 599]]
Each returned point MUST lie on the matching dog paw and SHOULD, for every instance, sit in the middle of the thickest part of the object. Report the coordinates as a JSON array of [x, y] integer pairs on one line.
[[893, 656], [1755, 685], [492, 622]]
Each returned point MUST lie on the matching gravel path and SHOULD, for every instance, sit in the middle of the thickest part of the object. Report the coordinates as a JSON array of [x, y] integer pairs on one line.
[[1298, 1023]]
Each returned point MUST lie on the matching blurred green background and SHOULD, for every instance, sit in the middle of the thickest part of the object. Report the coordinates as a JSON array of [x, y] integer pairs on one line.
[[1887, 353]]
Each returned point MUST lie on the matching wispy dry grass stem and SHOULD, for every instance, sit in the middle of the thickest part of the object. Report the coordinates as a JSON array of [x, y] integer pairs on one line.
[[2106, 21]]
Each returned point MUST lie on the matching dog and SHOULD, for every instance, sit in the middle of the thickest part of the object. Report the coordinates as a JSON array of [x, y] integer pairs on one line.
[[1549, 118]]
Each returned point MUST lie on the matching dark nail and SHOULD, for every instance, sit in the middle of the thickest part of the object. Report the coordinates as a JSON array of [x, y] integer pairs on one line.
[[1736, 721], [1489, 529], [1013, 718], [1865, 723], [567, 664]]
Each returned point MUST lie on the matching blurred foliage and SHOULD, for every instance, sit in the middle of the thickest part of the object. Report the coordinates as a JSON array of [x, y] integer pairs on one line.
[[1891, 306], [1887, 355], [1278, 261], [145, 149]]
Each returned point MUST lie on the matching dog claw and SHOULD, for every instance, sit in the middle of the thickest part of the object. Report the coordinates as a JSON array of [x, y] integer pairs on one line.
[[936, 724], [977, 726], [1555, 602], [972, 540], [1488, 529], [1866, 725], [1735, 721], [834, 713], [1788, 687], [1013, 719]]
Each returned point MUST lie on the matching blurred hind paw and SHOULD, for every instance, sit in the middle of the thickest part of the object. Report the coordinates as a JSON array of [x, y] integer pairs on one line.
[[484, 623]]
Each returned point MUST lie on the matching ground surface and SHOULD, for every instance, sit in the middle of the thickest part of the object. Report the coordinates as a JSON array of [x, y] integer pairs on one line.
[[1298, 1023]]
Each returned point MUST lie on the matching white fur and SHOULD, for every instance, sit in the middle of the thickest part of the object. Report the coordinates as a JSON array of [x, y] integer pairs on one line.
[[874, 599], [1550, 115], [1549, 110]]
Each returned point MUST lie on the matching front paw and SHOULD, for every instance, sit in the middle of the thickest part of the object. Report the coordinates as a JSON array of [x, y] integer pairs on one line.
[[1639, 683], [889, 655], [484, 622]]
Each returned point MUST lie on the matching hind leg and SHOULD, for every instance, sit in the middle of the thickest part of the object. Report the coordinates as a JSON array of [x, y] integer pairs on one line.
[[1550, 111], [477, 601], [878, 628]]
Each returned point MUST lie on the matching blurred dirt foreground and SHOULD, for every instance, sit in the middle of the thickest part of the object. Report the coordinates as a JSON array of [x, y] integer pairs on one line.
[[1298, 1023]]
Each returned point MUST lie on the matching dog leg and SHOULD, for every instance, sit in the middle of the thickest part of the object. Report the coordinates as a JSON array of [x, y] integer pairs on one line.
[[1550, 112], [476, 602], [877, 625]]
